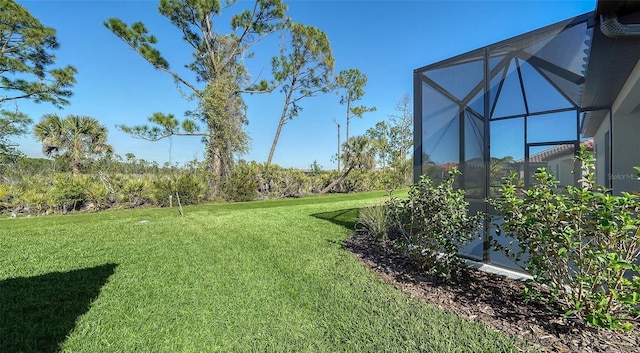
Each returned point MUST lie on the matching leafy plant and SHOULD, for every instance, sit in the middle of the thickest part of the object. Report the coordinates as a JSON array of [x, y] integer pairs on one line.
[[32, 194], [137, 192], [583, 243], [241, 184], [97, 196], [372, 221], [5, 196], [293, 183], [189, 188], [432, 224], [110, 183], [68, 193]]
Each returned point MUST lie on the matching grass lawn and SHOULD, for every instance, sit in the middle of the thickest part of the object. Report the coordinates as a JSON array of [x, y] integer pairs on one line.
[[268, 276]]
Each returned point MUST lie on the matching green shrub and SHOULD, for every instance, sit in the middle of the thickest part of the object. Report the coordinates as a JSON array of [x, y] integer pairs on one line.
[[294, 183], [5, 197], [113, 184], [189, 188], [68, 192], [138, 191], [364, 180], [372, 221], [31, 194], [40, 189], [242, 184], [275, 182], [97, 196], [358, 180], [583, 243], [317, 182], [432, 225], [326, 179]]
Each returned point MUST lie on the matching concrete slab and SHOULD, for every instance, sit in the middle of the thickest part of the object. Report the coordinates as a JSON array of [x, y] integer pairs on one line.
[[521, 276]]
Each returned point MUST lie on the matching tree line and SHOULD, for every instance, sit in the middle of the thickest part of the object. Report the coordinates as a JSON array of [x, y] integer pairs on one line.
[[302, 69]]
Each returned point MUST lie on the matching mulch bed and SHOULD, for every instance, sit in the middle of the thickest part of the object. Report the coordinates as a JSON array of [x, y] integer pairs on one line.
[[495, 301]]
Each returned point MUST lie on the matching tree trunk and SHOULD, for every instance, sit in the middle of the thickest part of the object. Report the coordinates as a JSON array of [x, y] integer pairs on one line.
[[275, 141], [348, 118], [283, 119], [336, 182], [338, 146], [215, 165]]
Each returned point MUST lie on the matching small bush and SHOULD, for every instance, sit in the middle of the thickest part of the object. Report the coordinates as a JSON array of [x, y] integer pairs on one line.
[[189, 188], [139, 191], [372, 221], [33, 202], [5, 197], [97, 197], [68, 192], [432, 225], [242, 184], [294, 183], [364, 180], [583, 244], [113, 184], [275, 182], [32, 194]]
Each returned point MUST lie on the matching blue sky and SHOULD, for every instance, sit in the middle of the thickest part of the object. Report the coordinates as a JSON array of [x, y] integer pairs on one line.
[[386, 40]]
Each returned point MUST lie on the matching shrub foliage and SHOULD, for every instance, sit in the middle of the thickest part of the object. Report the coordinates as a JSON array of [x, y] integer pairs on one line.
[[372, 221], [582, 242], [433, 224], [32, 186], [430, 226]]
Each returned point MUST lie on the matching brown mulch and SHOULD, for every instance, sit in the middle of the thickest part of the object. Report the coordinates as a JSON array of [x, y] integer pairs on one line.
[[495, 301]]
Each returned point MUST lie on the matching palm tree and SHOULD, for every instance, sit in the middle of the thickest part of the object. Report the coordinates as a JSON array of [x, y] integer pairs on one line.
[[75, 139], [357, 153]]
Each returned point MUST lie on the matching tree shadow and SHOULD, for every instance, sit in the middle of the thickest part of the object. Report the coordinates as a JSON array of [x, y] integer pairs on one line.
[[346, 218], [37, 313]]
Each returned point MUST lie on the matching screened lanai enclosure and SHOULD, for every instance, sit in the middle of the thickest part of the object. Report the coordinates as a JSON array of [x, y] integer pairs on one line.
[[511, 106]]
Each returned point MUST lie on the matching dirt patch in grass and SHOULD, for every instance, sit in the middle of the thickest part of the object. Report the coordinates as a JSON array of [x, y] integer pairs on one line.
[[495, 301]]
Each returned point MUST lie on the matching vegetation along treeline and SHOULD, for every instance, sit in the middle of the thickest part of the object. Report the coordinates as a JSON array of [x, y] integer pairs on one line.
[[84, 172]]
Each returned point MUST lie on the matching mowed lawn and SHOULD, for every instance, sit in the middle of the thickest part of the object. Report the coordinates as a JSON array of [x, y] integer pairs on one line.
[[267, 276]]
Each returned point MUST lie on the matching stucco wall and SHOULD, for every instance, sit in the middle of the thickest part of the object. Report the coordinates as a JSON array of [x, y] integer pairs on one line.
[[626, 135], [626, 152], [625, 138]]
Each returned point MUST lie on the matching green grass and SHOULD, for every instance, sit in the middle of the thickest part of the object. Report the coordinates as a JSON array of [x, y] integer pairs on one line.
[[266, 276]]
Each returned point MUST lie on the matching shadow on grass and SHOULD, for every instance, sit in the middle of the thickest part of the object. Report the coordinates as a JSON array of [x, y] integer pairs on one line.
[[37, 313], [346, 218]]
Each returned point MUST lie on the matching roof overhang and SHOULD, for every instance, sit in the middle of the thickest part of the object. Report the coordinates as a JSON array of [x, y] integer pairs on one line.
[[611, 61]]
